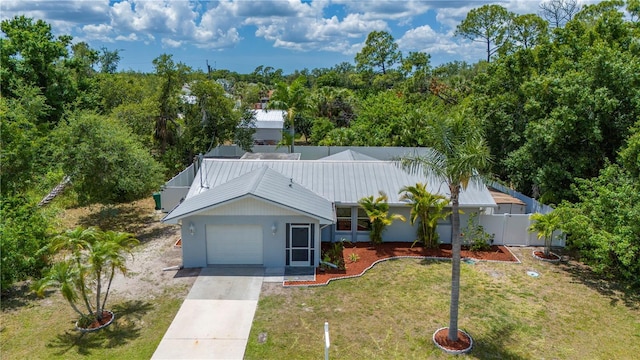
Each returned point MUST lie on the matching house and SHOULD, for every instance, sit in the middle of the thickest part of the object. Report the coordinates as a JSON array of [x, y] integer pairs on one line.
[[269, 125], [276, 213]]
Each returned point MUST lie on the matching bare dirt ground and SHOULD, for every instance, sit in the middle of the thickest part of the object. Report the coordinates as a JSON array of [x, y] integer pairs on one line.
[[148, 276]]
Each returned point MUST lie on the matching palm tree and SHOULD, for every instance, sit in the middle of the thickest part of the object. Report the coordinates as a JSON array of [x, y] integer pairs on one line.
[[427, 210], [74, 242], [117, 246], [545, 225], [292, 99], [378, 212], [458, 156], [87, 258]]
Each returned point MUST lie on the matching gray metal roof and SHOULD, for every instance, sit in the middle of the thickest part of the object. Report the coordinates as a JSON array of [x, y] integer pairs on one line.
[[260, 182], [343, 182], [269, 119], [349, 155]]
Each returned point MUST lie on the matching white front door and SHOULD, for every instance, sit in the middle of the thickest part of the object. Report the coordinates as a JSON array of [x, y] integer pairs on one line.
[[300, 250]]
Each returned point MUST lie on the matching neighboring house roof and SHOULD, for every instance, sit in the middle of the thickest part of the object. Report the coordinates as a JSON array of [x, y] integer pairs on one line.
[[269, 119], [262, 183], [271, 156], [349, 155], [343, 182], [502, 198]]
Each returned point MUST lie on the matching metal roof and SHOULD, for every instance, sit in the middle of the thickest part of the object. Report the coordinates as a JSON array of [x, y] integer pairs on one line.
[[343, 182], [349, 155], [262, 183], [269, 119]]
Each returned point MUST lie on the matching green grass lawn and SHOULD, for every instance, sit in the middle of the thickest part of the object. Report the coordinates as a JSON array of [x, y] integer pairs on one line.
[[44, 328], [392, 311]]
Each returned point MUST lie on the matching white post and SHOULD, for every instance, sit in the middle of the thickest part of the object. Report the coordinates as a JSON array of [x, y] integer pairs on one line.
[[326, 341]]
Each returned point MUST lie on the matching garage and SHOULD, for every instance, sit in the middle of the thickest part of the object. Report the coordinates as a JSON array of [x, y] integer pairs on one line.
[[234, 244]]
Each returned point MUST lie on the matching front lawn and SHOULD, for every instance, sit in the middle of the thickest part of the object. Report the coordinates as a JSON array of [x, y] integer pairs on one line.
[[392, 311]]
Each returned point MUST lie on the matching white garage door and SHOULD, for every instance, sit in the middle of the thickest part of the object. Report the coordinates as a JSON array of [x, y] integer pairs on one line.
[[234, 244]]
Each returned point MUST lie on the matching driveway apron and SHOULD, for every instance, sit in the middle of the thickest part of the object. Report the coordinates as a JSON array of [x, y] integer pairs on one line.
[[215, 319]]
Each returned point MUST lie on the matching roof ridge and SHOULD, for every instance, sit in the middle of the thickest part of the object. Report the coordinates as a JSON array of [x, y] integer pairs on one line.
[[259, 176]]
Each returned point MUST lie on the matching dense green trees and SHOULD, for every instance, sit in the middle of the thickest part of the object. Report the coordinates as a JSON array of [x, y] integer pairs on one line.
[[105, 162], [559, 102]]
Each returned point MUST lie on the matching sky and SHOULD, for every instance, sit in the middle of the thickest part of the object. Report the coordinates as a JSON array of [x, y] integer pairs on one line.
[[240, 35]]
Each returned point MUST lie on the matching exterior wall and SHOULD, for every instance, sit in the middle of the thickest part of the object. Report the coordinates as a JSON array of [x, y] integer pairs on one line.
[[171, 196], [194, 247], [268, 135], [176, 189], [398, 231], [250, 207]]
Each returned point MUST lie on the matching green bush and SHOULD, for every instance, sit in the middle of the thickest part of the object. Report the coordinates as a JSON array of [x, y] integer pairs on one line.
[[474, 236], [23, 238]]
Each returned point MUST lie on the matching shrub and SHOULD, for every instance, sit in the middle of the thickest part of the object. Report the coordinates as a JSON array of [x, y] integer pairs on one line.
[[474, 236]]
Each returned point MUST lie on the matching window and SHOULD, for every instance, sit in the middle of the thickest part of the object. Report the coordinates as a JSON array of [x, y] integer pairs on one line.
[[344, 219], [363, 220]]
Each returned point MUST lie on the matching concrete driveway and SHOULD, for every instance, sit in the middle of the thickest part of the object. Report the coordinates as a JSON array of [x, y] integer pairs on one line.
[[215, 319]]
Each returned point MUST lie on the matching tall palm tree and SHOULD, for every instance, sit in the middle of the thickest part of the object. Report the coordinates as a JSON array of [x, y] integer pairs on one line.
[[292, 99], [426, 209], [458, 156], [545, 225], [378, 212]]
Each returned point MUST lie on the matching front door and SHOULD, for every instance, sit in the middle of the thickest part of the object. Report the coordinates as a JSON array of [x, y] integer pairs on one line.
[[300, 251]]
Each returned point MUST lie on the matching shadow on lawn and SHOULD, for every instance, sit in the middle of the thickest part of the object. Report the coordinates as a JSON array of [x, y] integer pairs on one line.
[[19, 296], [121, 217], [124, 329], [492, 345], [615, 290]]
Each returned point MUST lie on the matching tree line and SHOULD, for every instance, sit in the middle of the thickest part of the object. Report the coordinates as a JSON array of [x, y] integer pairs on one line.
[[557, 98]]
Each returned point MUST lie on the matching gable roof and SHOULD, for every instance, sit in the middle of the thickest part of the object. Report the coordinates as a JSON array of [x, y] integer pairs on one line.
[[261, 183], [343, 182], [349, 155]]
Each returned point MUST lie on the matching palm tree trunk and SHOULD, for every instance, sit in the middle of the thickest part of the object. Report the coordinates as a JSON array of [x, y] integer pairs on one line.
[[455, 265], [83, 290], [106, 294], [98, 312]]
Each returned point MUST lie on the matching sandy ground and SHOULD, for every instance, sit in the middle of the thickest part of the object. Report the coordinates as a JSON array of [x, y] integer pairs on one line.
[[149, 275]]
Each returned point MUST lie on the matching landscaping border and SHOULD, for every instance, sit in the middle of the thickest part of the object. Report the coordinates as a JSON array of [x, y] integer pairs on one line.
[[292, 283]]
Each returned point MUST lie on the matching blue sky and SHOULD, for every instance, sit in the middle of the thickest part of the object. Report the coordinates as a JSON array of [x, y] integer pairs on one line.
[[240, 35]]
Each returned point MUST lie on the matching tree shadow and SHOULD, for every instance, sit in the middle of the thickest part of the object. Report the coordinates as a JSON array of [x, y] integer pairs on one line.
[[125, 328], [19, 296], [121, 217], [616, 290], [492, 344]]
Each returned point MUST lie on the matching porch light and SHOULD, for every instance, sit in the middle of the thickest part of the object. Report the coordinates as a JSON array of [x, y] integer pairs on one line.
[[274, 228], [192, 229]]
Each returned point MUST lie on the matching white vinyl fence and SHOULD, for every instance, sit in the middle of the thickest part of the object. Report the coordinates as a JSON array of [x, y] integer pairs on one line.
[[511, 229]]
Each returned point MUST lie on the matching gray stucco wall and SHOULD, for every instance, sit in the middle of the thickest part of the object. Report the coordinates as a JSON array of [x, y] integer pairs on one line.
[[194, 248], [399, 231]]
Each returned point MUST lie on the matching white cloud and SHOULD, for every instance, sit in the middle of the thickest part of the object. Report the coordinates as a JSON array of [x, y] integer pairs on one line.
[[171, 43], [130, 37], [102, 32]]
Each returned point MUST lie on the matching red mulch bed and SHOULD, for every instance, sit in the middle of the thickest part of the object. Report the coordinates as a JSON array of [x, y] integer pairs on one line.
[[369, 254], [541, 255], [442, 338]]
